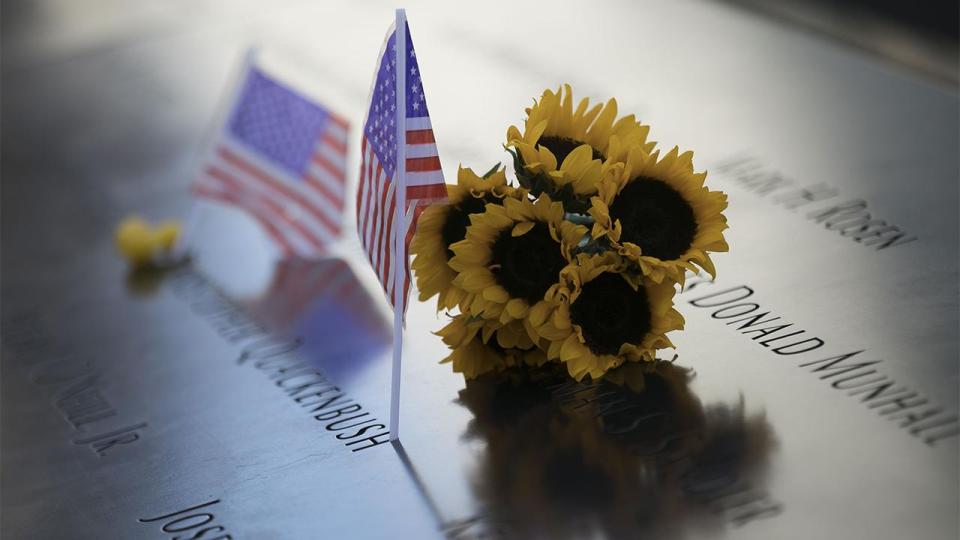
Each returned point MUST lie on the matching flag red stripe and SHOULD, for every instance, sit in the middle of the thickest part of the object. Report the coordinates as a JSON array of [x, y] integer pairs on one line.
[[235, 186], [390, 222], [361, 188], [338, 146], [376, 218], [340, 121], [423, 164], [413, 223], [386, 229], [430, 191], [321, 161], [363, 195], [420, 136], [368, 218], [379, 231], [370, 225], [255, 172]]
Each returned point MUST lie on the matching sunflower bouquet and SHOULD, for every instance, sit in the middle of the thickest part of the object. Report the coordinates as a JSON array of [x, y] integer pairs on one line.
[[578, 260]]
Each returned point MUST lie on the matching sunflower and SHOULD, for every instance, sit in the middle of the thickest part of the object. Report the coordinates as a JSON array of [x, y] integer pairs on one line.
[[512, 257], [564, 147], [464, 328], [442, 225], [659, 214], [603, 316], [474, 357]]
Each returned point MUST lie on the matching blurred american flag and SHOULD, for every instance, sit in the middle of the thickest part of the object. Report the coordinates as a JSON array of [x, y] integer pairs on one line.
[[281, 157]]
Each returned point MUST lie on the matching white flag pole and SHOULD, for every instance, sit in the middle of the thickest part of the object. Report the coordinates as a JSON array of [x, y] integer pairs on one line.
[[224, 108], [399, 224]]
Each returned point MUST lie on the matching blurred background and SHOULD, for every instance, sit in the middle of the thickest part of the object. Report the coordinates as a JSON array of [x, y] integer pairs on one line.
[[921, 36]]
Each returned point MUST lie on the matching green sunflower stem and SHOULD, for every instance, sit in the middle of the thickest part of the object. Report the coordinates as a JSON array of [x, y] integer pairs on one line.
[[579, 219]]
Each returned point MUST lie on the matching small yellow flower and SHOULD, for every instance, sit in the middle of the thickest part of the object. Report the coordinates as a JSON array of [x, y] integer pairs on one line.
[[603, 316], [442, 225], [659, 214], [144, 245], [575, 147], [512, 257]]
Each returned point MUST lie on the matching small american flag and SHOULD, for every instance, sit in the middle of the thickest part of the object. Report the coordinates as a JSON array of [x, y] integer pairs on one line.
[[398, 149], [281, 157]]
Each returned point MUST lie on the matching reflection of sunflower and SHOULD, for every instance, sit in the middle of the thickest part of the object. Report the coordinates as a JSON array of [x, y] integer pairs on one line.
[[603, 318], [597, 459], [474, 357], [442, 225], [569, 147], [659, 214], [512, 256]]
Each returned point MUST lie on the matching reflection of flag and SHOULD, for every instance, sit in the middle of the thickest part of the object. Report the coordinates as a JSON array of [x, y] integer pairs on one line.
[[298, 284], [281, 157], [323, 301], [398, 148]]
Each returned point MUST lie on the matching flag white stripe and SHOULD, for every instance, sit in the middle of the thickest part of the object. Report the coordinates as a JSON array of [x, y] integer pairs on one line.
[[421, 122], [337, 132], [421, 150], [425, 178]]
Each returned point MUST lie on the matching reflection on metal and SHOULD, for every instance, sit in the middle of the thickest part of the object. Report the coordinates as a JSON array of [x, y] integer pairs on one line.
[[322, 301], [639, 457]]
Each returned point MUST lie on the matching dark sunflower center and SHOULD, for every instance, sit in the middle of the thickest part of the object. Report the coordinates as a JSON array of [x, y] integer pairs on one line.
[[655, 217], [562, 146], [458, 219], [527, 265], [610, 313]]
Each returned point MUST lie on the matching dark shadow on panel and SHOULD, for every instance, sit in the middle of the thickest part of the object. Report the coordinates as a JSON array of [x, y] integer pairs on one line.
[[636, 455]]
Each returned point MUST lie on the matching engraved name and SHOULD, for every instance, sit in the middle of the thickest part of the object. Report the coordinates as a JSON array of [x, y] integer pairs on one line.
[[305, 385], [849, 218], [191, 523], [848, 372], [76, 385]]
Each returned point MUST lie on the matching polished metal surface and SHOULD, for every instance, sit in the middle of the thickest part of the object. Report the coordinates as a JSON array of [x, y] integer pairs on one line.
[[157, 405]]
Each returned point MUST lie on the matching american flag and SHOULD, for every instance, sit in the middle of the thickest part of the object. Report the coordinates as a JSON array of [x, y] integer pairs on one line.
[[418, 171], [281, 157]]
